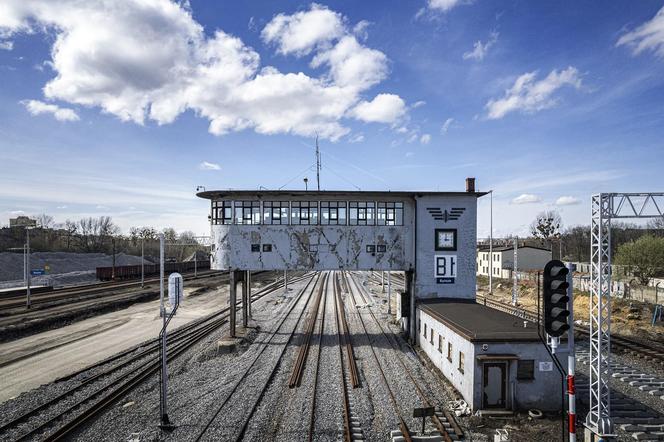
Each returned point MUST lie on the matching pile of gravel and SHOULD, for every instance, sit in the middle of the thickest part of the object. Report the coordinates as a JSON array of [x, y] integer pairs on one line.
[[65, 268]]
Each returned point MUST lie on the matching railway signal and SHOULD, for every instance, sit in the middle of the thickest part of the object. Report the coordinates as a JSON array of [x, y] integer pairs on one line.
[[556, 312]]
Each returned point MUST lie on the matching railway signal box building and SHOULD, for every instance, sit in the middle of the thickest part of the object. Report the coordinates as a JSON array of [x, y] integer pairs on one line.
[[431, 236]]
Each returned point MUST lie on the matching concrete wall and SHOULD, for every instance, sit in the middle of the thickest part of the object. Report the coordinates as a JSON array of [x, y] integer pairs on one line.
[[426, 285], [543, 392], [311, 247], [461, 381]]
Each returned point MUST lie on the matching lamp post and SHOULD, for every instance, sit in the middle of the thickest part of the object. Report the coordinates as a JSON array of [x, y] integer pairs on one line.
[[142, 262], [27, 261], [306, 180], [491, 243]]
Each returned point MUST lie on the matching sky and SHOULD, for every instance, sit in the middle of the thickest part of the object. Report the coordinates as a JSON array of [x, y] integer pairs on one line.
[[124, 107]]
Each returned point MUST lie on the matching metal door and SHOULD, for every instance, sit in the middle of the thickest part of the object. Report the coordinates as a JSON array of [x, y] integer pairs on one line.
[[495, 379]]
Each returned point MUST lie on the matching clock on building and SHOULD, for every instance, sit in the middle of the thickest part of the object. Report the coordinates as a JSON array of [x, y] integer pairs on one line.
[[446, 239]]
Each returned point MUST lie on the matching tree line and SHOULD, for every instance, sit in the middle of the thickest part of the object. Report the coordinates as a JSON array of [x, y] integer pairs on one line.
[[99, 235]]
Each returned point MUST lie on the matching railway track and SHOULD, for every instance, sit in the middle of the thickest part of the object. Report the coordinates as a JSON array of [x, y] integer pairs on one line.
[[110, 383], [267, 343], [403, 427], [443, 420], [635, 348], [321, 332], [83, 293]]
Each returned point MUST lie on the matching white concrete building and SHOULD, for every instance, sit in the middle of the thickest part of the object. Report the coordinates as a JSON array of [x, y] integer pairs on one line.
[[530, 258]]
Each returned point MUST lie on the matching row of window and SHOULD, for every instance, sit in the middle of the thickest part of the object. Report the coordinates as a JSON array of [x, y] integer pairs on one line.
[[525, 368], [353, 213], [496, 256]]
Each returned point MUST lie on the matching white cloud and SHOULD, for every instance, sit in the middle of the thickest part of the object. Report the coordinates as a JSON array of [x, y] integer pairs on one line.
[[410, 154], [647, 37], [384, 108], [442, 5], [36, 107], [61, 207], [360, 29], [567, 201], [425, 139], [17, 212], [526, 198], [418, 104], [481, 49], [528, 95], [209, 166], [6, 45], [447, 125], [358, 138], [153, 61], [301, 32]]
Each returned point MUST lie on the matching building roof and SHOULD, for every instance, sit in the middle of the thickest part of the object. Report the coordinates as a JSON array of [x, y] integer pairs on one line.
[[477, 322], [485, 248], [317, 194]]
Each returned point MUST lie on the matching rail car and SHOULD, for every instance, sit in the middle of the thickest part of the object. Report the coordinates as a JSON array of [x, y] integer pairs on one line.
[[134, 271]]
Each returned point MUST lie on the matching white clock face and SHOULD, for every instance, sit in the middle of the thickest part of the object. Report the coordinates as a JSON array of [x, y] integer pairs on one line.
[[446, 239]]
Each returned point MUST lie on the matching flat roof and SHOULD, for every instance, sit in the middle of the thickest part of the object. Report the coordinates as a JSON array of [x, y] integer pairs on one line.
[[477, 322], [485, 248], [232, 193]]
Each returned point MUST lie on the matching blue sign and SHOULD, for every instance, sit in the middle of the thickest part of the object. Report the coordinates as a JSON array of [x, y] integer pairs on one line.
[[37, 272]]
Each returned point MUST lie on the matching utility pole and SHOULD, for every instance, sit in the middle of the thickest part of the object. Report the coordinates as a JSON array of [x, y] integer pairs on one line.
[[161, 274], [27, 260], [113, 271], [142, 262], [491, 244], [515, 267], [317, 164], [389, 293]]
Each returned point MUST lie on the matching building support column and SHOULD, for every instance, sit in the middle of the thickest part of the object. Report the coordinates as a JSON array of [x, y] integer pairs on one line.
[[249, 293], [410, 289], [245, 312], [232, 301]]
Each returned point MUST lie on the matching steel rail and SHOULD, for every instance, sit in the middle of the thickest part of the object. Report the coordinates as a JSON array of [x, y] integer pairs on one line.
[[321, 332], [425, 399], [348, 436], [265, 345], [402, 423]]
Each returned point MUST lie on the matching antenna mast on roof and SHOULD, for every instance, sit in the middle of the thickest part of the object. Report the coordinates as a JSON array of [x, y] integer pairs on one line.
[[317, 164]]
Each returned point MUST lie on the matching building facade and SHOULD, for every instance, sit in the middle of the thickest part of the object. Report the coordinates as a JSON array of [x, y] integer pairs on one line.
[[500, 261]]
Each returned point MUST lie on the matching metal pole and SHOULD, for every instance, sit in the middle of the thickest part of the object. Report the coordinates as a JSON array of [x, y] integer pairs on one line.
[[515, 295], [232, 299], [27, 258], [491, 243], [161, 274], [389, 293], [163, 405], [382, 281], [285, 281], [25, 265], [113, 269], [195, 264], [249, 293], [571, 357], [142, 263]]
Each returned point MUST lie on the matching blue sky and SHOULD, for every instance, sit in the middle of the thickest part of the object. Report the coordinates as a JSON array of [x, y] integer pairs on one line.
[[123, 108]]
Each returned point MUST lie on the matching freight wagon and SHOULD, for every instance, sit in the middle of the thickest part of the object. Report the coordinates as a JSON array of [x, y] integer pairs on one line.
[[134, 271]]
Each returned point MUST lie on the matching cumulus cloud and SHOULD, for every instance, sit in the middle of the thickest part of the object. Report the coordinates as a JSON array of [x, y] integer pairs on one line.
[[567, 201], [6, 45], [529, 96], [425, 139], [481, 49], [526, 198], [418, 104], [36, 107], [301, 32], [205, 165], [384, 108], [447, 125], [647, 37], [153, 61], [442, 5]]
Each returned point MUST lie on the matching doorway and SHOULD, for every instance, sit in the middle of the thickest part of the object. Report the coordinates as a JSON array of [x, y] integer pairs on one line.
[[494, 385]]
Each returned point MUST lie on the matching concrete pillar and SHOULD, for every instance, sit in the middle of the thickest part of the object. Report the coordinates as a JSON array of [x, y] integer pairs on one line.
[[232, 302], [245, 312], [249, 293], [410, 289]]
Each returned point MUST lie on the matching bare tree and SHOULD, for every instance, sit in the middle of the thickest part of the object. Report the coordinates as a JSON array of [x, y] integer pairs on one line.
[[546, 225], [45, 221]]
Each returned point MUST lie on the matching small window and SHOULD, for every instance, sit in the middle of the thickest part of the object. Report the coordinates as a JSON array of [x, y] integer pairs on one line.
[[381, 248], [267, 247], [440, 344], [461, 362], [425, 330], [275, 212], [222, 212], [361, 213], [371, 248], [449, 351], [255, 247], [431, 337], [525, 370], [247, 212], [333, 213], [313, 247], [389, 214], [304, 212], [419, 325]]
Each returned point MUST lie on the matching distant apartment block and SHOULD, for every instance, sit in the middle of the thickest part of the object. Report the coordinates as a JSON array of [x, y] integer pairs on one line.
[[529, 258]]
